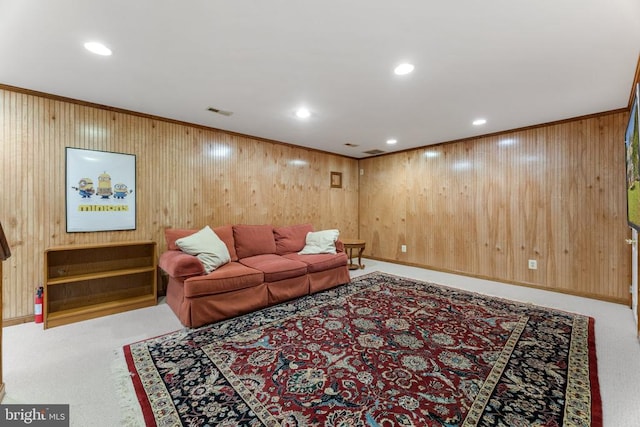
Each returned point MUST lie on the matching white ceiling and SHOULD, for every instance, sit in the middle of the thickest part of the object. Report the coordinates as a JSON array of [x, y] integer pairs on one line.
[[513, 62]]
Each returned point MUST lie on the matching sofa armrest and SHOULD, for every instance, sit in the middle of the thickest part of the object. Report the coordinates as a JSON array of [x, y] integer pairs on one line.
[[339, 246], [179, 264]]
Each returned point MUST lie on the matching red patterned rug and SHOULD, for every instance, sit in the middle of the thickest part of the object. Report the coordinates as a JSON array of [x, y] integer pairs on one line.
[[381, 351]]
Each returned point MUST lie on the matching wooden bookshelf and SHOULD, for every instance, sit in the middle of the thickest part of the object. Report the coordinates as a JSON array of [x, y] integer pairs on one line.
[[87, 281]]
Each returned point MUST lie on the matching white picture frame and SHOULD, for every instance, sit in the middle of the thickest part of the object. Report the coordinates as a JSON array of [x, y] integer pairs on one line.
[[100, 190]]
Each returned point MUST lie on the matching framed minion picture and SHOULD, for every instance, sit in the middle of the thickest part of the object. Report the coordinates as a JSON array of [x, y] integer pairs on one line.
[[100, 191]]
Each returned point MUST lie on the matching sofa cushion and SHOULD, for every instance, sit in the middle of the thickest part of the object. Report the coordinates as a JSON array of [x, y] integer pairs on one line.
[[320, 242], [207, 247], [291, 239], [253, 240], [320, 262], [224, 232], [229, 277], [179, 264], [275, 267], [173, 234]]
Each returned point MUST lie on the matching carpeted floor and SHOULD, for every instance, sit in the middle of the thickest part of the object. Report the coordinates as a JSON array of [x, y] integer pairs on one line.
[[384, 350]]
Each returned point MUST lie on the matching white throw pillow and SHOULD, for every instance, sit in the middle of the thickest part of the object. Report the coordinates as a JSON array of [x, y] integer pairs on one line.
[[207, 246], [320, 242]]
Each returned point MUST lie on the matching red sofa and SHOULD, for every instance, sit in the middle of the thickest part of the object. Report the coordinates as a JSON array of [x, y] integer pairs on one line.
[[265, 269]]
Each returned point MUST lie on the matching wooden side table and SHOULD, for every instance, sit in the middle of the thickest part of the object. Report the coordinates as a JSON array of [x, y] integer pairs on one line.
[[349, 246]]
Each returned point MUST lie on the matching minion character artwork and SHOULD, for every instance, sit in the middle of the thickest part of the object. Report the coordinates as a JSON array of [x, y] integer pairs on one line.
[[120, 191], [105, 190], [107, 200], [104, 186], [85, 188]]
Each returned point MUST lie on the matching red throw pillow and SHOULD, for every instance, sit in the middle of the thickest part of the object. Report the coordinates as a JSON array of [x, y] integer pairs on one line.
[[173, 234], [225, 233], [291, 239]]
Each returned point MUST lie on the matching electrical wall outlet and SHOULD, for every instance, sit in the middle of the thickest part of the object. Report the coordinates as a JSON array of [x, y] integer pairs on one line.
[[403, 248], [533, 264], [361, 171]]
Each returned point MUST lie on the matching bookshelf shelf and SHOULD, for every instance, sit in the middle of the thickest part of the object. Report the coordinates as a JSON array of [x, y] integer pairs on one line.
[[87, 281]]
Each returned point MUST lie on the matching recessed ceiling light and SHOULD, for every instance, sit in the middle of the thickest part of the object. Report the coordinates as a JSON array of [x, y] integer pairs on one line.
[[303, 113], [391, 141], [403, 69], [478, 122], [97, 48]]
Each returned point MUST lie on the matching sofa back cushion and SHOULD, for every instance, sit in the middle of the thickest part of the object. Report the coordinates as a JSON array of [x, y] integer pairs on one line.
[[173, 234], [224, 232], [291, 239], [253, 240]]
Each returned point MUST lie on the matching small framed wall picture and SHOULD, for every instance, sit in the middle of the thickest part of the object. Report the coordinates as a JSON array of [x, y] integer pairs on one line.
[[336, 179]]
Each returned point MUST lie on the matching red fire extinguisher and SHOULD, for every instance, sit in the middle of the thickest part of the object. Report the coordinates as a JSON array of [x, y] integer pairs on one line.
[[38, 307]]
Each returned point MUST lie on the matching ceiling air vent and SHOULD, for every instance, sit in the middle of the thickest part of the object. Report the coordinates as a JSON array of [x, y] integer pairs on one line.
[[217, 111], [372, 152]]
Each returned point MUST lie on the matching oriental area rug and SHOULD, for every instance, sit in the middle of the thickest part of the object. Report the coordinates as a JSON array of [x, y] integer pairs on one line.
[[381, 351]]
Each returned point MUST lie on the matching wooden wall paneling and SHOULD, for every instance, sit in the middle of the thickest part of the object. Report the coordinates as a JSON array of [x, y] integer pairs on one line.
[[397, 226], [382, 210], [8, 129], [529, 177], [450, 205], [485, 206], [577, 203], [481, 207], [460, 207], [187, 176], [416, 209], [606, 183], [437, 192], [5, 177], [491, 227]]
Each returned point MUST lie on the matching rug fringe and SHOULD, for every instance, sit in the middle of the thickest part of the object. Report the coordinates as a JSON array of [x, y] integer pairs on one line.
[[130, 411]]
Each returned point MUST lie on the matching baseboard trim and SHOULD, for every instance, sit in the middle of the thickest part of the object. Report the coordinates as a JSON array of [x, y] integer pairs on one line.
[[508, 282], [26, 319], [17, 320]]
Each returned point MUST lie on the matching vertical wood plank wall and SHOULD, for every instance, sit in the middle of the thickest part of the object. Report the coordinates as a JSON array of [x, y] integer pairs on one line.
[[485, 206], [187, 176], [481, 207]]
